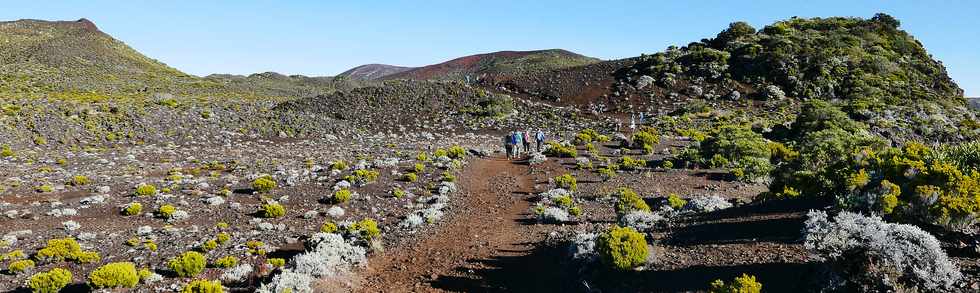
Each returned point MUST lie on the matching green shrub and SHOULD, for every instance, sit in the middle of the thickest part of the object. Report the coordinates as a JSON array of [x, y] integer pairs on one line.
[[629, 163], [575, 211], [422, 157], [65, 249], [6, 152], [628, 200], [328, 227], [188, 264], [209, 245], [222, 237], [50, 282], [566, 181], [144, 274], [114, 275], [440, 153], [667, 164], [366, 229], [166, 211], [226, 262], [564, 201], [338, 165], [273, 210], [44, 188], [556, 149], [264, 184], [342, 196], [622, 248], [276, 262], [145, 190], [365, 175], [78, 180], [132, 209], [645, 139], [20, 266], [448, 177], [744, 284], [203, 286], [456, 152], [410, 177], [398, 192], [419, 168], [675, 202]]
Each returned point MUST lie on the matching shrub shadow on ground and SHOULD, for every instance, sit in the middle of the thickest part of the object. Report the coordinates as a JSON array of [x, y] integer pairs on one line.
[[536, 269], [783, 230], [775, 277]]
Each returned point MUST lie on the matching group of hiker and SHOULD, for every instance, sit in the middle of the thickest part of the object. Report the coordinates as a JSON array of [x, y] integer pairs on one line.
[[519, 142]]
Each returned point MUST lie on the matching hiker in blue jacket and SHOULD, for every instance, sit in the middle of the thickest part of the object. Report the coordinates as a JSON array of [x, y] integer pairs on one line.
[[539, 138]]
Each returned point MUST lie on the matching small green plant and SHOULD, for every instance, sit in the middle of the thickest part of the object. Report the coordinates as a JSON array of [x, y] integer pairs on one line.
[[223, 237], [273, 210], [629, 163], [264, 184], [675, 202], [410, 177], [255, 247], [144, 274], [132, 209], [150, 245], [338, 165], [367, 229], [342, 196], [575, 211], [114, 275], [556, 149], [6, 152], [65, 249], [398, 192], [203, 286], [628, 200], [440, 153], [566, 181], [226, 262], [44, 188], [20, 266], [744, 284], [276, 262], [422, 157], [166, 211], [146, 190], [222, 225], [564, 201], [188, 264], [456, 152], [667, 164], [78, 180], [419, 168], [50, 282], [209, 245], [448, 177], [622, 248], [328, 227]]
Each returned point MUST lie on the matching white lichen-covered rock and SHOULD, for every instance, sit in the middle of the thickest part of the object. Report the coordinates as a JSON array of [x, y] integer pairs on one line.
[[144, 230], [553, 215], [411, 222], [236, 274], [537, 158], [446, 188], [152, 278], [553, 193], [443, 162], [335, 212], [310, 214], [876, 251], [288, 281], [642, 220], [95, 199], [214, 200], [330, 255], [342, 184], [431, 214], [583, 247], [706, 203], [71, 225], [178, 216]]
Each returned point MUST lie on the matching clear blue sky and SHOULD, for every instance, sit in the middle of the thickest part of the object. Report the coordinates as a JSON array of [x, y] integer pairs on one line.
[[327, 37]]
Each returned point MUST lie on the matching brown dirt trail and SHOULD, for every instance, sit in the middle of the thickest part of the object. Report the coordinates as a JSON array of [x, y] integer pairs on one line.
[[484, 244]]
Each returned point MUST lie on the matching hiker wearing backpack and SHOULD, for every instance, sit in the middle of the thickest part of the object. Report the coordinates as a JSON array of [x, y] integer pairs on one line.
[[527, 141], [539, 138], [518, 142]]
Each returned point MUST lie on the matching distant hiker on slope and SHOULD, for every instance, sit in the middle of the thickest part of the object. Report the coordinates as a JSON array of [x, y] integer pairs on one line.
[[518, 142], [509, 144], [527, 141], [539, 137]]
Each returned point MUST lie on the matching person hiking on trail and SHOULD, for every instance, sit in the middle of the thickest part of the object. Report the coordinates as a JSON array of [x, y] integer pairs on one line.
[[508, 145], [518, 142], [539, 137], [527, 141]]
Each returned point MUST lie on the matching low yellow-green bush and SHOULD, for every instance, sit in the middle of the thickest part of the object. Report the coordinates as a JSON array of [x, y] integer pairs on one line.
[[78, 180], [209, 245], [145, 190], [188, 264], [20, 266], [273, 210], [338, 165], [744, 284], [675, 202], [566, 181], [133, 209], [622, 248], [49, 282], [367, 229], [223, 237], [419, 168], [328, 227], [410, 177], [264, 184], [165, 211], [226, 262], [342, 196], [65, 249], [456, 152], [628, 200], [556, 149], [203, 286], [114, 275], [276, 262]]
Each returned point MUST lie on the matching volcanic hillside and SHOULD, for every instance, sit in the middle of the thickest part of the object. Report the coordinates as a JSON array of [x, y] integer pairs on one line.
[[372, 71], [497, 63]]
